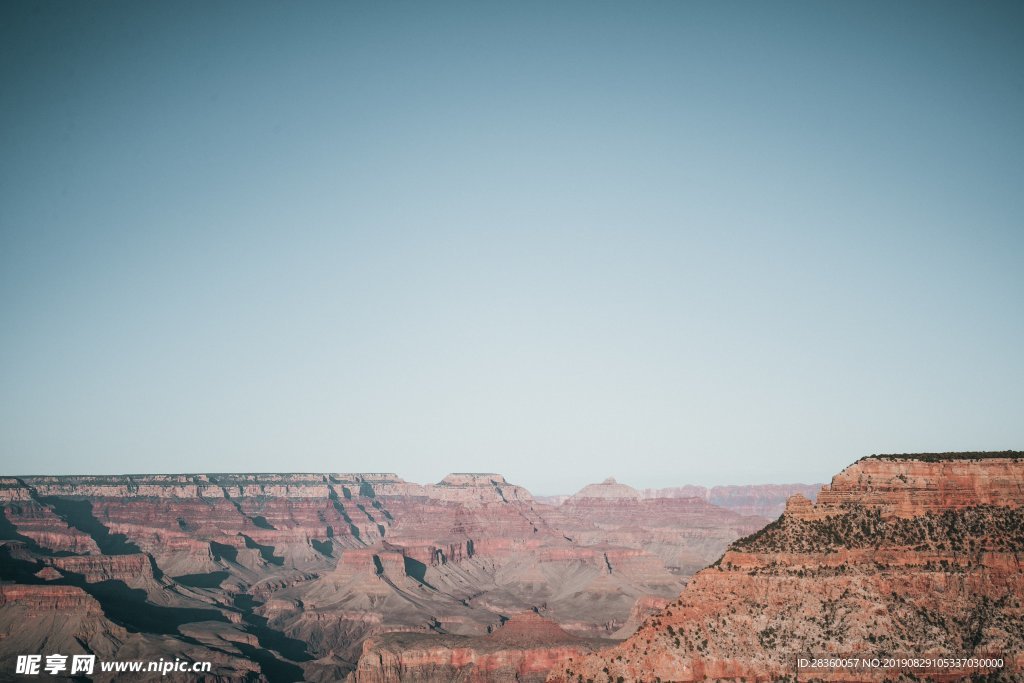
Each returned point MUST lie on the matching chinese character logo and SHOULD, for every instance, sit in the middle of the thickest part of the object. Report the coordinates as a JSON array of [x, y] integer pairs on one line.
[[82, 664], [28, 664]]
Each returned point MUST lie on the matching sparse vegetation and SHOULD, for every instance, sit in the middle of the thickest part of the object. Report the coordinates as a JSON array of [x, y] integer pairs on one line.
[[939, 457]]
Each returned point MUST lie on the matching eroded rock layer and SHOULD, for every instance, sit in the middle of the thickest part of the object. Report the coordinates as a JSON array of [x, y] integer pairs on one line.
[[523, 649], [284, 576], [901, 556]]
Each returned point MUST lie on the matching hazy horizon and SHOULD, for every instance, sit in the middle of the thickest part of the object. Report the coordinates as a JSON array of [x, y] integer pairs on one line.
[[542, 493], [672, 243]]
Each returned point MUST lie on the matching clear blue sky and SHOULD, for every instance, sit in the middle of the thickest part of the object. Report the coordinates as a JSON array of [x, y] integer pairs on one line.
[[674, 242]]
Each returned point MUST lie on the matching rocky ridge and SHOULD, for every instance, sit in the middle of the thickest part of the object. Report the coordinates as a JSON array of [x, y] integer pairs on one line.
[[284, 576], [900, 556], [755, 500]]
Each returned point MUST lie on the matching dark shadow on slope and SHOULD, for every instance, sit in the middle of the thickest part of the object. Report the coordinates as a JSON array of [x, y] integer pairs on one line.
[[376, 504], [362, 508], [158, 573], [245, 602], [333, 495], [273, 668], [207, 580], [266, 551], [261, 522], [9, 532], [129, 607], [292, 648], [258, 521], [17, 570], [223, 552], [271, 638], [323, 547], [78, 513], [417, 570]]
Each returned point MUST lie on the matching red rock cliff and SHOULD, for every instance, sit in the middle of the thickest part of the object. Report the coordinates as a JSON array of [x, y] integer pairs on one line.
[[907, 555]]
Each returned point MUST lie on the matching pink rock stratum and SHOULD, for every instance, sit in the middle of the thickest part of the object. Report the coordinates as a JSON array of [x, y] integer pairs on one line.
[[297, 576], [901, 556]]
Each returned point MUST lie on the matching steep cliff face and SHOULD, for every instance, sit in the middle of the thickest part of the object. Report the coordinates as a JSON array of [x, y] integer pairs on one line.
[[294, 571], [900, 556], [522, 650], [49, 599], [47, 619], [39, 523], [906, 487]]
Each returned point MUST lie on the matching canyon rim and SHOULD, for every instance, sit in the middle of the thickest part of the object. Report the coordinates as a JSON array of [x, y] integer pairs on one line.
[[297, 576], [370, 578], [511, 342]]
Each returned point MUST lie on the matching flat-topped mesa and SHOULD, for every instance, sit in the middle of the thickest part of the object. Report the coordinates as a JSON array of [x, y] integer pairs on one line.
[[369, 476], [457, 487], [949, 455], [908, 485], [528, 628], [472, 479], [230, 485], [525, 649], [609, 488], [134, 570], [368, 482], [476, 487], [163, 485], [43, 599]]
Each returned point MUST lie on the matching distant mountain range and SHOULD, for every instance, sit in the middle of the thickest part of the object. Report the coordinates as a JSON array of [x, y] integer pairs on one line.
[[762, 500]]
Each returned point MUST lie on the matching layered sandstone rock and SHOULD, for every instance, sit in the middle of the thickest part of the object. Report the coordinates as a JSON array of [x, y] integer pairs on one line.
[[37, 522], [759, 500], [47, 619], [609, 488], [900, 556], [13, 490], [292, 572], [132, 569], [523, 649], [49, 599], [907, 487], [686, 534]]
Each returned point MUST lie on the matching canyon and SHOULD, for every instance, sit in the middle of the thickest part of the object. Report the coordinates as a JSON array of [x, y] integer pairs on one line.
[[372, 579], [288, 577], [900, 556]]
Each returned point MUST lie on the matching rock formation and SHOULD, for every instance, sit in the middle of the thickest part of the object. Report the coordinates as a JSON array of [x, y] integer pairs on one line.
[[901, 556], [294, 576], [319, 576], [758, 500], [524, 649]]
